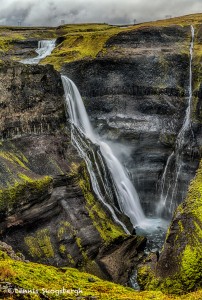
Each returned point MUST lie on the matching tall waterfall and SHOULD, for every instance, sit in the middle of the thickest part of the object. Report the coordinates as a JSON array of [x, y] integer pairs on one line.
[[45, 47], [101, 161], [166, 195]]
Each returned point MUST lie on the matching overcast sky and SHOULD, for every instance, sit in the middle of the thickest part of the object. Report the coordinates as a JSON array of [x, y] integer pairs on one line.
[[50, 13]]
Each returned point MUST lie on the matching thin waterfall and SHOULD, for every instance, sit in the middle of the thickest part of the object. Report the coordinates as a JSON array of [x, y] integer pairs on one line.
[[45, 47], [163, 191], [187, 120], [105, 162], [179, 145]]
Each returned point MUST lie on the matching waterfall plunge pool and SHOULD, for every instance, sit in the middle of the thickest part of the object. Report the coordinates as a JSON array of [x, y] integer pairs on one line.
[[154, 229]]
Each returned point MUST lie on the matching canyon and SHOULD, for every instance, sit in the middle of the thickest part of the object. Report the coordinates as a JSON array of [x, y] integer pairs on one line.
[[136, 91]]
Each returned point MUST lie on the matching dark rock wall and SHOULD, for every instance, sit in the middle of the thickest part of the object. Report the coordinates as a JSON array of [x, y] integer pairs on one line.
[[31, 100]]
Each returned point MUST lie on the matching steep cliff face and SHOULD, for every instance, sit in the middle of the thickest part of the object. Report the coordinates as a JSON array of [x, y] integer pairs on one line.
[[31, 100], [48, 211], [136, 93]]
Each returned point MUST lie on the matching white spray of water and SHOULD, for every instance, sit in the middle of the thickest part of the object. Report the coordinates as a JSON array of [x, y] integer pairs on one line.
[[179, 144], [126, 194], [45, 47]]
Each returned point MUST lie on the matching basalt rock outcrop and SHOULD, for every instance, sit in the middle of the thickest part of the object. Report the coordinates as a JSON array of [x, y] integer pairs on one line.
[[48, 210], [136, 94]]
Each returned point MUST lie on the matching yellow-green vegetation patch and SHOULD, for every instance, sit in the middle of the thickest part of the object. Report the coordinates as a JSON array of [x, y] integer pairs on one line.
[[191, 264], [194, 198], [6, 39], [15, 158], [40, 244], [12, 162], [81, 42], [15, 194], [73, 283], [82, 27], [65, 227], [82, 251], [101, 221]]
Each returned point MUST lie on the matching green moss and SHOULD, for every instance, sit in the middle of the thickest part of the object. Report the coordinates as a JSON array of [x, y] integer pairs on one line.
[[83, 27], [83, 41], [67, 229], [102, 222], [144, 276], [12, 196], [82, 251], [40, 244], [71, 260], [191, 267], [64, 229], [15, 158], [6, 39], [80, 44], [64, 251], [61, 232], [36, 276], [181, 228]]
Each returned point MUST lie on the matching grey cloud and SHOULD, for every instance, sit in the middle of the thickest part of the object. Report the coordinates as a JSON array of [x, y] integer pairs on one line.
[[49, 12]]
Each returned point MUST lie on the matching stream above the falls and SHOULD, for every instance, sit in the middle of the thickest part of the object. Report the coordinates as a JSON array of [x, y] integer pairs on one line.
[[45, 47]]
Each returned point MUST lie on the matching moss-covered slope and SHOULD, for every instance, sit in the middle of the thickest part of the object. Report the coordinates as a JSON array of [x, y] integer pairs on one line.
[[87, 41], [80, 42], [180, 265], [76, 41], [65, 283]]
